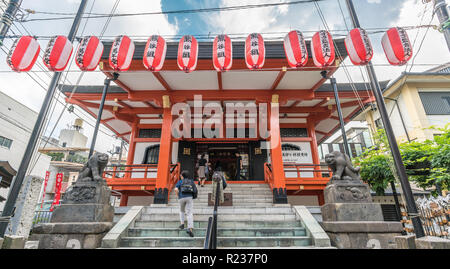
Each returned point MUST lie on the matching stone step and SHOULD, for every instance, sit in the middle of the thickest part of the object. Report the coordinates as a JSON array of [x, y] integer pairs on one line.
[[222, 217], [222, 224], [235, 199], [235, 196], [223, 210], [222, 232], [221, 241], [205, 204]]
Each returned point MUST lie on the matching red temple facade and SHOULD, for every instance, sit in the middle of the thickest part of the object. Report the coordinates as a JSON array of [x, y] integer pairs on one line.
[[300, 114]]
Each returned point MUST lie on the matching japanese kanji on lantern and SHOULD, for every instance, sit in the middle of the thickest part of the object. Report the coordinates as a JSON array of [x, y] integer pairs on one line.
[[359, 47], [397, 46], [323, 49], [23, 54], [121, 54], [255, 51], [187, 53], [155, 53], [57, 54], [222, 53], [295, 49], [89, 53]]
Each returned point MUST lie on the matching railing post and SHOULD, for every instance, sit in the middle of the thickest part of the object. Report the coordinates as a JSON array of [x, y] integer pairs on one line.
[[165, 155]]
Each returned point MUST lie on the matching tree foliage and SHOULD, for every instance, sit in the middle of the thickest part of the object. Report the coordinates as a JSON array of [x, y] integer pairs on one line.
[[427, 163]]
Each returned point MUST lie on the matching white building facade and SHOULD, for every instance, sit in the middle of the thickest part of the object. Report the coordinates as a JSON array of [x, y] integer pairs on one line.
[[16, 124]]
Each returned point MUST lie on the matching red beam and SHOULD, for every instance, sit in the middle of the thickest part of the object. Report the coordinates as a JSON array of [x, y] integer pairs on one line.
[[219, 81], [117, 81], [161, 80], [277, 81]]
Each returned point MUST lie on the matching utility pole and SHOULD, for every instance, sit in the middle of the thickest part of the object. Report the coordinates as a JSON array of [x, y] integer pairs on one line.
[[9, 208], [440, 8], [100, 112], [399, 165], [8, 17], [339, 110]]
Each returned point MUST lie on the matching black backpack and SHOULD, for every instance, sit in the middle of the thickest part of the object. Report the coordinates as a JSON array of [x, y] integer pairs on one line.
[[187, 186]]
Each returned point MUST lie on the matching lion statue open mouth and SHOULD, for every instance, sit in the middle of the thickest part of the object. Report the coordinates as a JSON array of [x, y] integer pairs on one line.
[[342, 167], [94, 168]]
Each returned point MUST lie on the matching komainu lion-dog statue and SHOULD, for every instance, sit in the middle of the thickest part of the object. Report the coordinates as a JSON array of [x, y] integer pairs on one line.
[[94, 168], [342, 167]]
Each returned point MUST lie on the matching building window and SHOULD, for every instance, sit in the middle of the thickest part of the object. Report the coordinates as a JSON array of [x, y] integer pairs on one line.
[[447, 98], [379, 124], [5, 142], [436, 103], [151, 155]]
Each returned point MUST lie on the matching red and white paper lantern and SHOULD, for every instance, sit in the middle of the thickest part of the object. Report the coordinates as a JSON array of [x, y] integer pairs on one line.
[[359, 47], [222, 53], [23, 54], [397, 46], [323, 49], [89, 53], [187, 53], [121, 54], [155, 53], [295, 49], [255, 51], [57, 54]]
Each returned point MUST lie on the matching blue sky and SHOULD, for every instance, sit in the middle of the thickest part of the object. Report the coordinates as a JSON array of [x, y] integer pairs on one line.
[[282, 19]]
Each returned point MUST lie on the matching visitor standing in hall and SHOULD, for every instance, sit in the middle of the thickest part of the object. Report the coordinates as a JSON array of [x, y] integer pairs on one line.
[[201, 170], [238, 166], [186, 191]]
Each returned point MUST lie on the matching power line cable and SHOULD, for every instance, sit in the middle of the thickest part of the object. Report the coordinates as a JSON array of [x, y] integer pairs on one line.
[[185, 11]]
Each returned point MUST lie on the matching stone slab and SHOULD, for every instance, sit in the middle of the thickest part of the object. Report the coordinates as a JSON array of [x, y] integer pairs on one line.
[[13, 242], [432, 242], [406, 242], [112, 238], [227, 200], [32, 245], [363, 240], [347, 192], [70, 241], [83, 213], [22, 221], [73, 228], [319, 236], [352, 212], [362, 227]]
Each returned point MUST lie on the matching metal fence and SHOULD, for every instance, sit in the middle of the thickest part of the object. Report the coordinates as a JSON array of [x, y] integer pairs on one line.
[[41, 216]]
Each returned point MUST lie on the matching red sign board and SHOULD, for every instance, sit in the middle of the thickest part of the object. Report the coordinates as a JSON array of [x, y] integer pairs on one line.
[[47, 175], [58, 185]]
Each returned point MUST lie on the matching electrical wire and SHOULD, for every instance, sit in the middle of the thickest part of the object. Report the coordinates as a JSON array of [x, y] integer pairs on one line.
[[185, 11]]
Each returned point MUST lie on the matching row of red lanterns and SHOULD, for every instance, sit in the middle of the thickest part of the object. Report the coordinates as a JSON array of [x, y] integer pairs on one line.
[[23, 54]]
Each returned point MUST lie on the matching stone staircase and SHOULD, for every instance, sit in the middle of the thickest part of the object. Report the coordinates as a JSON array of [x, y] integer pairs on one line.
[[252, 222]]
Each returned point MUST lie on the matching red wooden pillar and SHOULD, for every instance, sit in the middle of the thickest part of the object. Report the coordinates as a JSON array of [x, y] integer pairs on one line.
[[165, 154], [279, 185], [132, 148], [314, 146], [321, 198], [124, 199]]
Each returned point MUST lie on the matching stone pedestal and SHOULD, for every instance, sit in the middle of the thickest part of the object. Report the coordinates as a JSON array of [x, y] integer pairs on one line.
[[353, 221], [81, 221]]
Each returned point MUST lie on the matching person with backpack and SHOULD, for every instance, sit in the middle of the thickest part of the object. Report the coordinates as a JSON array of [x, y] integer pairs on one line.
[[218, 178], [186, 190]]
